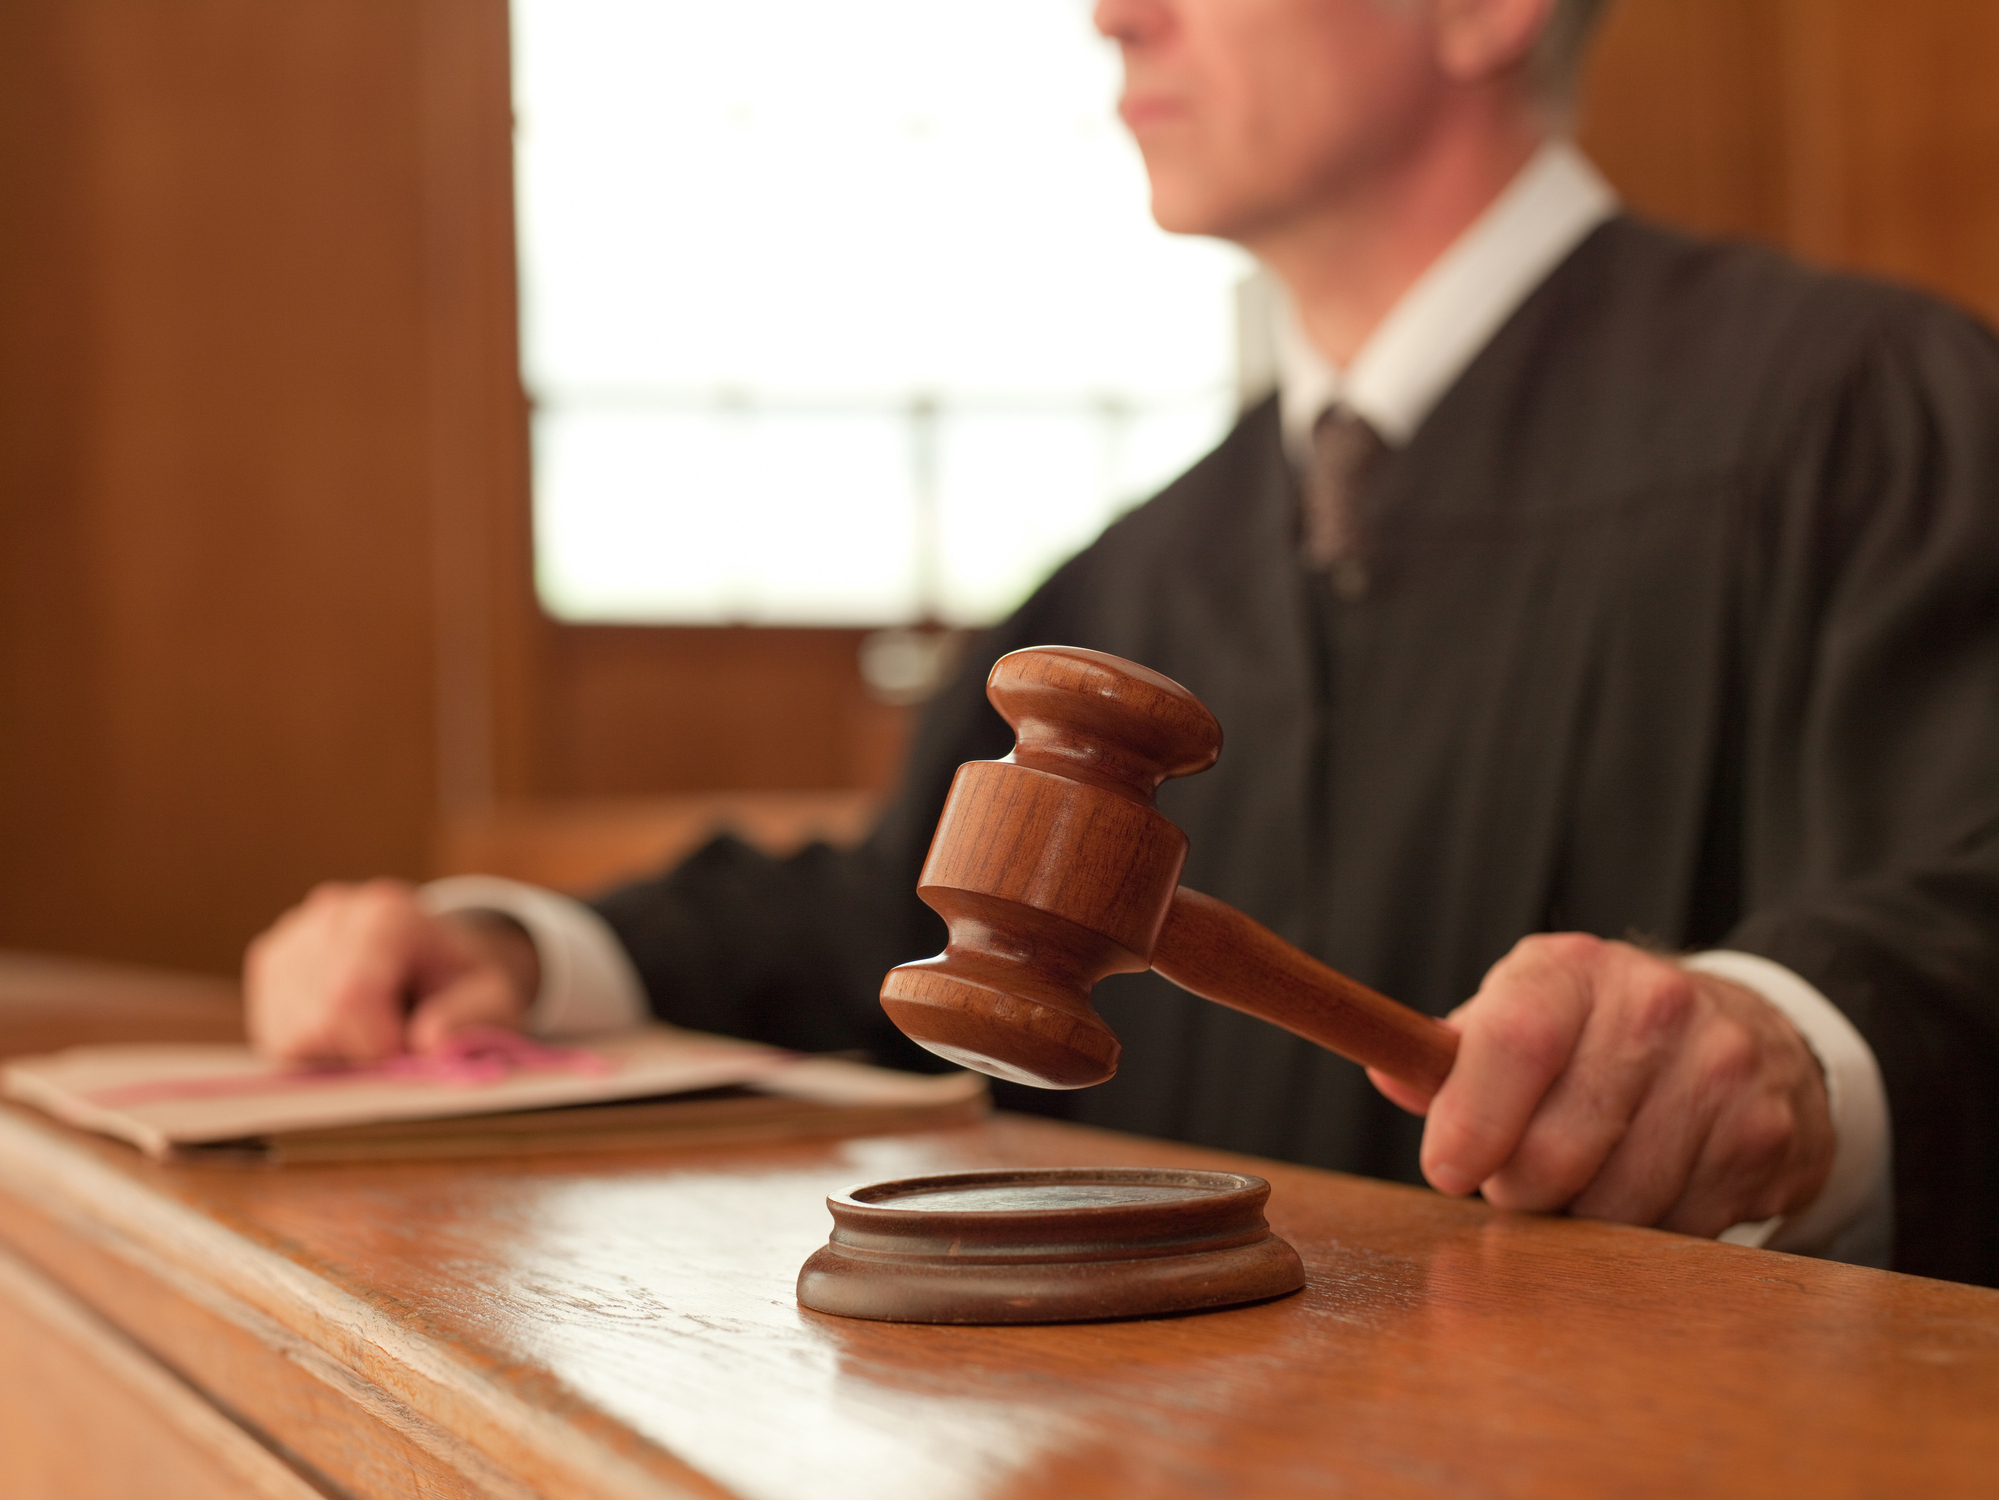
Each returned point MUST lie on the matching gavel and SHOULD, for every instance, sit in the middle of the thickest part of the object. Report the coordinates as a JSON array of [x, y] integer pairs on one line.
[[1053, 869]]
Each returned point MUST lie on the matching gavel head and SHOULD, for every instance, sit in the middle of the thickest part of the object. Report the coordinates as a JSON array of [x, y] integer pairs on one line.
[[1052, 867]]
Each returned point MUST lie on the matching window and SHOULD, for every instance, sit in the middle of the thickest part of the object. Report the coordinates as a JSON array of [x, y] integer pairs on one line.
[[842, 314]]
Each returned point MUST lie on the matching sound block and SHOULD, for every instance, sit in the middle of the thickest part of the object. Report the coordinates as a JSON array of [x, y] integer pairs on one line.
[[1048, 1245]]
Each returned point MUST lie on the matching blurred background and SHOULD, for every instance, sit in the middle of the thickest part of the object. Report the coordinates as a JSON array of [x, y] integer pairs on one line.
[[436, 436]]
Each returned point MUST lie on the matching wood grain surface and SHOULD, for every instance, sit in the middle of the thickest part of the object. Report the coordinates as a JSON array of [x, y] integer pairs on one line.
[[84, 1412], [627, 1327], [49, 1002]]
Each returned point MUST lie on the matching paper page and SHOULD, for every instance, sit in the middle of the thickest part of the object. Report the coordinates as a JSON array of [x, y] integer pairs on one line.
[[163, 1095]]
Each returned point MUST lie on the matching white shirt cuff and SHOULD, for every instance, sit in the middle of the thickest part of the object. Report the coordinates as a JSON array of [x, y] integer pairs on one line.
[[1853, 1217], [588, 983]]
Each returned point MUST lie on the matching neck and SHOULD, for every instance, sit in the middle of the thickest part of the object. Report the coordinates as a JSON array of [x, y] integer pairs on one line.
[[1348, 258]]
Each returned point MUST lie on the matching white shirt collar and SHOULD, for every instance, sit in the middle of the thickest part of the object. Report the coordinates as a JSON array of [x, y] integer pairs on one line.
[[1454, 308]]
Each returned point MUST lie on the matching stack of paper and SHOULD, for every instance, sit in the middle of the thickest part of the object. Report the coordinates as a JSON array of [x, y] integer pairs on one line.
[[493, 1094]]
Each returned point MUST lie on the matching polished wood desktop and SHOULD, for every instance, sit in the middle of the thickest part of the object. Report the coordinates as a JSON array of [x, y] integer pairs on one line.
[[625, 1325]]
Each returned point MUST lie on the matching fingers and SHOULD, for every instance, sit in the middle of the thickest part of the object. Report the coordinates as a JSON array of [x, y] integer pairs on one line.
[[1607, 1106], [355, 973], [328, 981], [1647, 1167], [484, 995], [1770, 1146], [1734, 1129], [1400, 1094], [1608, 1081], [1520, 1032]]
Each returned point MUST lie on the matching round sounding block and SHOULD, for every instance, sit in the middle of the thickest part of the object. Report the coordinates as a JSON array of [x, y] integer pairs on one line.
[[1048, 1245]]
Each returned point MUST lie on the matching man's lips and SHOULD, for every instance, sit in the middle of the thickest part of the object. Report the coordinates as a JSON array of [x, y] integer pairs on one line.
[[1140, 111]]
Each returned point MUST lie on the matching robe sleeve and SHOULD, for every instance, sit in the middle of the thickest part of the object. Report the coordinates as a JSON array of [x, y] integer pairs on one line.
[[1871, 794]]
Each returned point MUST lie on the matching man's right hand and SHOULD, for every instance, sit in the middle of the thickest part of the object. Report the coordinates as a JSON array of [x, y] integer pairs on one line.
[[355, 973]]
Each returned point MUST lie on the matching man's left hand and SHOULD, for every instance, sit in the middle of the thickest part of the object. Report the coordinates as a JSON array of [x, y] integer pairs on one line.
[[1600, 1080]]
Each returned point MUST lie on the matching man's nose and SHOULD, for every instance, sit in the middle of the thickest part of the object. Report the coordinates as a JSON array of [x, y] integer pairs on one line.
[[1132, 23]]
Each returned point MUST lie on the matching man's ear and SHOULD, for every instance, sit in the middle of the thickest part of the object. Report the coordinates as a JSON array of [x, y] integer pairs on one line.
[[1481, 39]]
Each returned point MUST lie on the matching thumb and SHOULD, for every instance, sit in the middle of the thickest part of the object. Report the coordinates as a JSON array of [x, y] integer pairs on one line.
[[1400, 1094], [481, 996]]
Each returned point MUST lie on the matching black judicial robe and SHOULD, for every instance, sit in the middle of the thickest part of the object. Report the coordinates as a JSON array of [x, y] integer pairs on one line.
[[1683, 625]]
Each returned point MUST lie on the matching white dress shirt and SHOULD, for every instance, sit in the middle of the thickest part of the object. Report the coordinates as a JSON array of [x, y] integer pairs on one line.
[[1424, 344]]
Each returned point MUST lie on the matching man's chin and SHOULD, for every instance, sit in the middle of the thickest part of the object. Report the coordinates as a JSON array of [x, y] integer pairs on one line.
[[1255, 223], [1181, 212]]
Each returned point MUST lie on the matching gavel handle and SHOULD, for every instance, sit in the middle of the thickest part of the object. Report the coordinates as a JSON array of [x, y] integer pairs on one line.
[[1209, 947]]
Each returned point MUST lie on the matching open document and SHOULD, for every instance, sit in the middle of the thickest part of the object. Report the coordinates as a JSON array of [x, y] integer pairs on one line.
[[489, 1093]]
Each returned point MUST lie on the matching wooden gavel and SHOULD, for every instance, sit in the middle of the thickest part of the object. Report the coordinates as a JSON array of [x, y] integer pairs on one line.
[[1053, 868]]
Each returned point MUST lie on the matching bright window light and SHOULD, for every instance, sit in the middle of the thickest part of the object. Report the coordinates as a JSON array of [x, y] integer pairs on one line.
[[842, 313]]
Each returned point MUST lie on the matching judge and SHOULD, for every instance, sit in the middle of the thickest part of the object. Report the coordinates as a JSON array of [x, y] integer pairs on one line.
[[1603, 628]]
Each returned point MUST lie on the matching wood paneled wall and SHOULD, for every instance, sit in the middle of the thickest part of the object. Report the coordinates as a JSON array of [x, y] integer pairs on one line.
[[631, 710], [1862, 134], [264, 602], [228, 399]]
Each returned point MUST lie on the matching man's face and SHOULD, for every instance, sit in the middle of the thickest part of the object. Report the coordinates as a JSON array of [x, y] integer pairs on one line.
[[1252, 112]]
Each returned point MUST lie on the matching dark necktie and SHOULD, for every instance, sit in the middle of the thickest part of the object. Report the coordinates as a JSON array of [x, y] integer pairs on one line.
[[1344, 449]]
